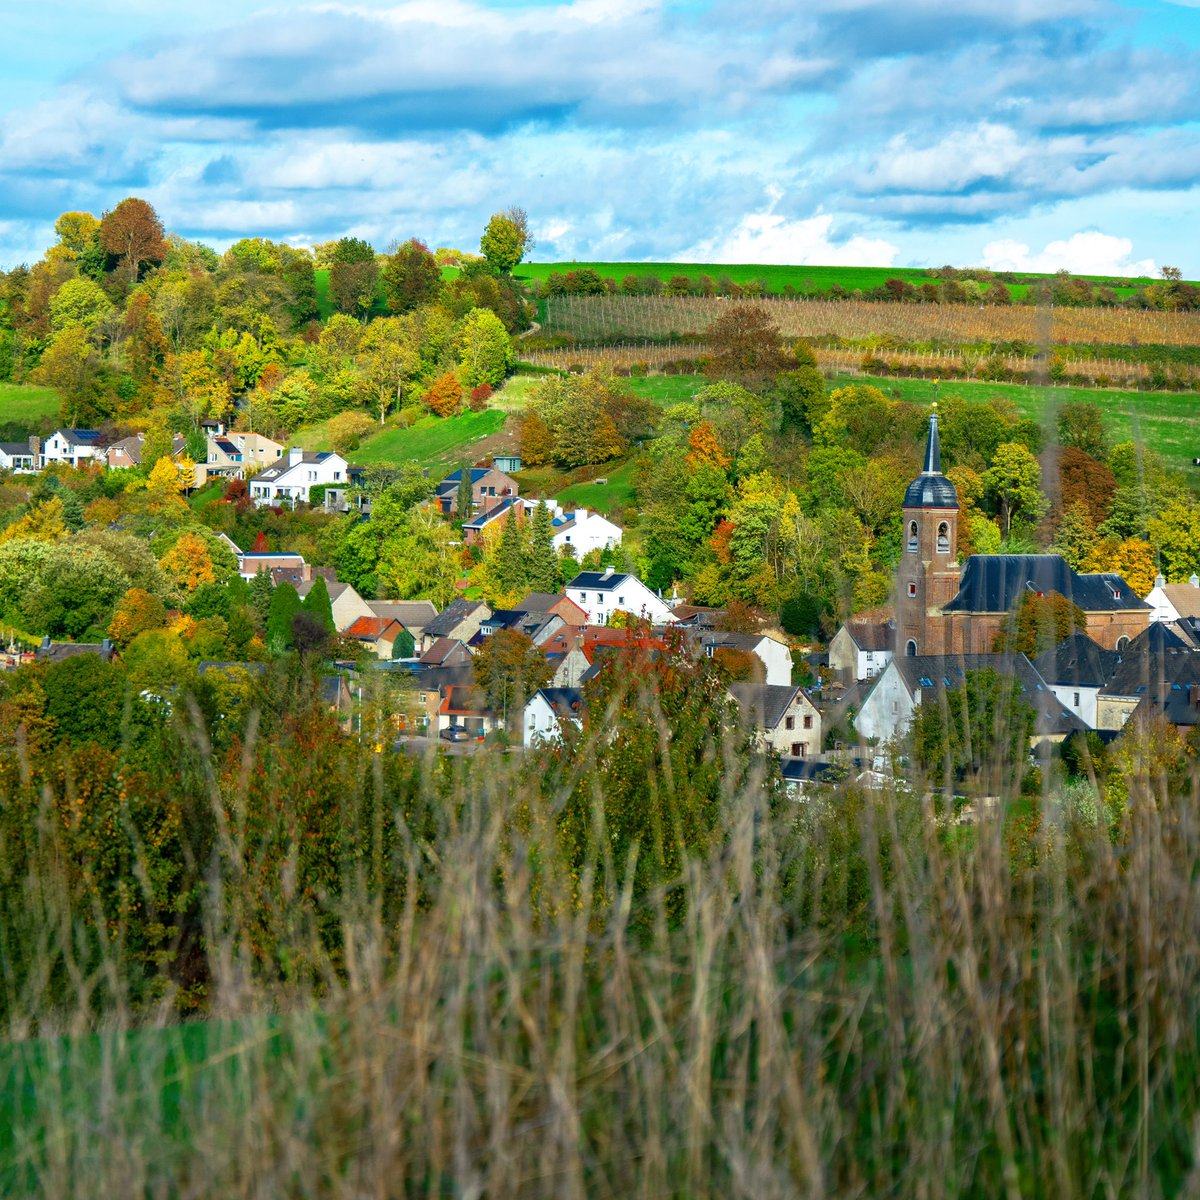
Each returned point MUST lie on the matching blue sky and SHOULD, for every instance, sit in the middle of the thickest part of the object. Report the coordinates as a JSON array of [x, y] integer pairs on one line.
[[1014, 134]]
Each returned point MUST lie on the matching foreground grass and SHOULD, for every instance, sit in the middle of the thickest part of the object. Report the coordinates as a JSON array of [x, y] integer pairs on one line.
[[28, 406], [837, 1000]]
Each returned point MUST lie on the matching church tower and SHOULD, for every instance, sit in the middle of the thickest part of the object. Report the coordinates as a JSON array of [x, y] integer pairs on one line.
[[928, 575]]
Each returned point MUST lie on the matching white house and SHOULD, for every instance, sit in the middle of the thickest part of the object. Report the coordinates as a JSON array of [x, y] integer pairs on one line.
[[547, 712], [888, 708], [1174, 601], [775, 656], [1076, 670], [73, 446], [784, 719], [602, 593], [583, 531], [292, 479], [21, 457]]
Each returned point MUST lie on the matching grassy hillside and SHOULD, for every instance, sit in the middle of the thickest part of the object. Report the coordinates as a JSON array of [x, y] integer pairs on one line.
[[775, 278], [25, 405]]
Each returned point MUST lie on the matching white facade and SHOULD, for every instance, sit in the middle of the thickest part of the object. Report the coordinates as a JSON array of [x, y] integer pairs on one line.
[[1079, 700], [542, 723], [18, 457], [888, 707], [292, 480], [600, 594], [68, 446], [583, 531], [847, 657], [1172, 601]]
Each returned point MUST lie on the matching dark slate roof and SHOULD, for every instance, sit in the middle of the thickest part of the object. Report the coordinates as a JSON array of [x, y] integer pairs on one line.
[[872, 635], [1077, 662], [412, 614], [597, 581], [15, 448], [941, 672], [764, 703], [807, 770], [431, 679], [540, 602], [56, 652], [994, 583], [1156, 638], [451, 616], [1146, 668], [931, 489], [1178, 702], [566, 702], [497, 510]]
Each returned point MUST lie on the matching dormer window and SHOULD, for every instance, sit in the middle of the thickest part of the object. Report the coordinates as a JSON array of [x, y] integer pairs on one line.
[[912, 536]]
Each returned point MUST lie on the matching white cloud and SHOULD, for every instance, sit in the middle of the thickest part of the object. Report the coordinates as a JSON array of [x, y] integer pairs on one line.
[[1085, 253], [767, 237]]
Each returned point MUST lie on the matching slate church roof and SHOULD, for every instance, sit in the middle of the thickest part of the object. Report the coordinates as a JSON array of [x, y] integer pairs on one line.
[[993, 583]]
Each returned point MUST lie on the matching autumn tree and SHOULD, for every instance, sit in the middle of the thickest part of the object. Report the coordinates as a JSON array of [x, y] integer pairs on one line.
[[443, 397], [1174, 532], [44, 522], [134, 234], [1080, 425], [704, 450], [745, 346], [510, 668], [506, 240], [1132, 558], [137, 612], [1037, 623], [347, 430], [71, 365], [77, 231], [188, 563], [411, 277]]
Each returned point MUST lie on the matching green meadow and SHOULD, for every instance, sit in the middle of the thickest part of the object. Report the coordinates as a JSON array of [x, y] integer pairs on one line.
[[26, 405]]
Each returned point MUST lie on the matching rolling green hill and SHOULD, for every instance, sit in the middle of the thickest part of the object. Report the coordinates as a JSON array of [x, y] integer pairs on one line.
[[28, 406]]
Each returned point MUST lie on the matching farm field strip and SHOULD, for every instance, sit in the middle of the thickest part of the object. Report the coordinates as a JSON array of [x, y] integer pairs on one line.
[[932, 364], [628, 318]]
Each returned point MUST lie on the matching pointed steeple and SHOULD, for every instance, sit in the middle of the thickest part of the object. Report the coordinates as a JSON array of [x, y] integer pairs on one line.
[[931, 489], [933, 452]]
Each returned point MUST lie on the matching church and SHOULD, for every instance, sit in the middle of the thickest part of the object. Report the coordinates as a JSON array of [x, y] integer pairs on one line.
[[945, 608]]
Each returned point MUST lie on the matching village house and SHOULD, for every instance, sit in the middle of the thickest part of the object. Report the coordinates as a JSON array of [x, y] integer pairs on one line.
[[600, 594], [20, 457], [1173, 602], [1152, 665], [556, 603], [236, 455], [488, 486], [291, 480], [73, 447], [773, 655], [459, 620], [784, 719], [583, 531], [1076, 670], [414, 615], [446, 652], [548, 711], [861, 649], [378, 634], [910, 680]]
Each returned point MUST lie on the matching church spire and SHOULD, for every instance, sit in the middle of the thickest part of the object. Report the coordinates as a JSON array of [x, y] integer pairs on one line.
[[933, 452]]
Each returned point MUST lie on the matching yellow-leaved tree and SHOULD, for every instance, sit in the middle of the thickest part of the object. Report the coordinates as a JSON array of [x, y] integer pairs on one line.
[[188, 562], [42, 523]]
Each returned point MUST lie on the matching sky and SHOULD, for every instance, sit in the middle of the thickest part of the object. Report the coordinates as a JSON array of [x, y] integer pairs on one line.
[[1010, 134]]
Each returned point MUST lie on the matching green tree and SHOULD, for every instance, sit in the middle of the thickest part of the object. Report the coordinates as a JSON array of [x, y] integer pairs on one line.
[[542, 571], [75, 588], [419, 562], [1175, 534], [507, 568], [1081, 425], [464, 504], [411, 277], [318, 605], [483, 348], [79, 302], [261, 591], [506, 240], [285, 604], [1076, 540], [1014, 481]]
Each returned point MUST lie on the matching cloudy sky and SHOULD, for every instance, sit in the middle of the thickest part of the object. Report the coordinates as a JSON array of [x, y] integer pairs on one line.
[[1008, 133]]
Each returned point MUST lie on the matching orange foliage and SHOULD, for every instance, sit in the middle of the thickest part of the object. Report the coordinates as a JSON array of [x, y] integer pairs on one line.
[[705, 449], [444, 395], [188, 562]]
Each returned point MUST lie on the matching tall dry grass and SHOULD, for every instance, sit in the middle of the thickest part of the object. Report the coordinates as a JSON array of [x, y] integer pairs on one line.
[[861, 999]]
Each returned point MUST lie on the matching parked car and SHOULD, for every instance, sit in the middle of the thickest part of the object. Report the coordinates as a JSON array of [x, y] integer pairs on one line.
[[455, 733]]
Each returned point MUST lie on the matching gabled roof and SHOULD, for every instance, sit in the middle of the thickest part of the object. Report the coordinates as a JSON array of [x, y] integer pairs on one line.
[[993, 583], [1179, 703], [1077, 661], [1151, 662], [373, 629], [870, 635], [14, 448], [491, 514], [81, 437], [1156, 638], [464, 700], [441, 650], [946, 672], [452, 616], [412, 614], [1183, 598], [564, 702], [765, 703], [131, 447]]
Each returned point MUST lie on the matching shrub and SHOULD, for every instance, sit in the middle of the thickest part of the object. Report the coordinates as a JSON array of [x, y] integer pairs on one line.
[[347, 431]]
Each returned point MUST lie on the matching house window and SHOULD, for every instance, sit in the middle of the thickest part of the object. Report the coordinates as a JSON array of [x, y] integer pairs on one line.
[[912, 536], [789, 722], [533, 720], [912, 589], [797, 750], [620, 599], [943, 538], [808, 721], [870, 656]]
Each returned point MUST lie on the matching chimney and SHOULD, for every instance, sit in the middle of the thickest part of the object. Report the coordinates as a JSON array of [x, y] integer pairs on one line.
[[607, 573], [1159, 581], [35, 445], [106, 648], [1194, 580], [295, 455], [45, 641]]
